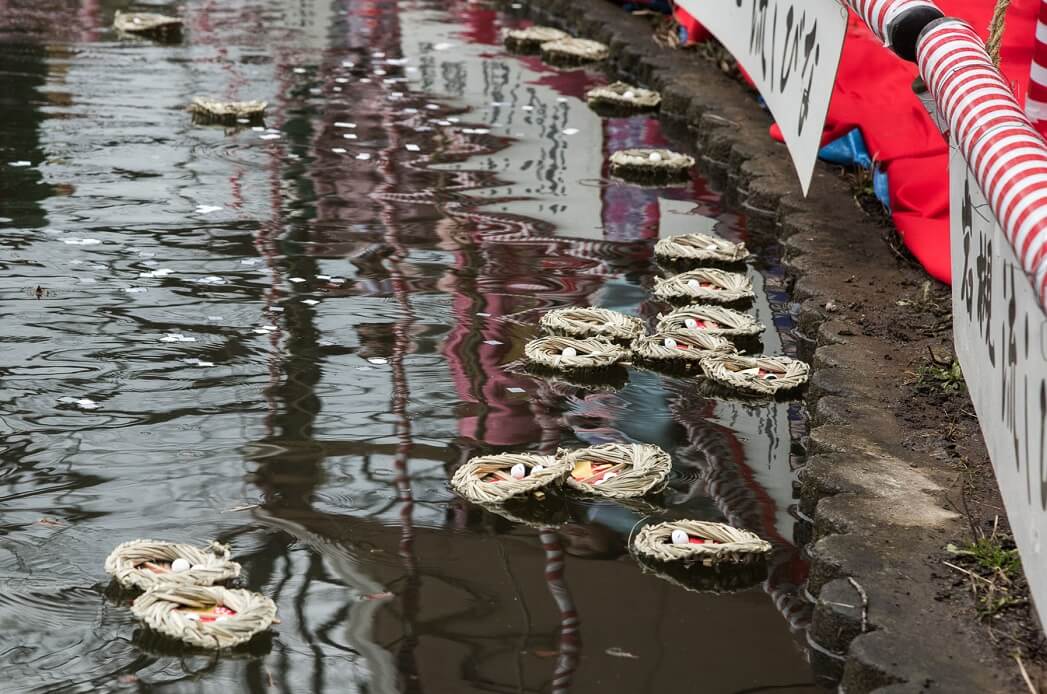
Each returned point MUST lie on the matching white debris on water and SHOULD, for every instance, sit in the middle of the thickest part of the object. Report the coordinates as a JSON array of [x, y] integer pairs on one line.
[[378, 360], [570, 131], [207, 209], [20, 163], [82, 403], [81, 242], [296, 280], [269, 136], [198, 362], [412, 148], [310, 302]]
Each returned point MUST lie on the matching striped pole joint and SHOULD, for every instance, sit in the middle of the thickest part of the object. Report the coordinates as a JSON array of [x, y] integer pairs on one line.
[[904, 32]]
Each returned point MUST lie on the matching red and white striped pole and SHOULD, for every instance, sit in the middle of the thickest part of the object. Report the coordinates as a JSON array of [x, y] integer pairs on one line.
[[1004, 152], [1036, 98], [896, 22]]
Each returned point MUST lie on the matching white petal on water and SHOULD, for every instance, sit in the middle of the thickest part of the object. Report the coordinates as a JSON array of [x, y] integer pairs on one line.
[[412, 148], [380, 72], [378, 360], [493, 342], [348, 63], [208, 209], [310, 302], [258, 129], [87, 404], [570, 131], [527, 108], [341, 80], [82, 242], [269, 136], [443, 46], [350, 136], [336, 89], [561, 99], [135, 290], [211, 279], [250, 261], [214, 318], [485, 315], [20, 163], [364, 156], [299, 71], [323, 277], [338, 150], [296, 280], [433, 107], [514, 389]]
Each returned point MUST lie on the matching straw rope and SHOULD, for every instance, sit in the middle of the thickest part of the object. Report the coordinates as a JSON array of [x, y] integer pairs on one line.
[[207, 566], [690, 346], [700, 248], [582, 322], [170, 610], [639, 468], [572, 51], [714, 320], [996, 29], [207, 110], [729, 545], [743, 373], [472, 479], [591, 353], [650, 164], [530, 39], [147, 24], [624, 96], [705, 284]]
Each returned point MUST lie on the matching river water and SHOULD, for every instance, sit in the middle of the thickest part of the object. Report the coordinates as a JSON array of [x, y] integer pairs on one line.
[[287, 338]]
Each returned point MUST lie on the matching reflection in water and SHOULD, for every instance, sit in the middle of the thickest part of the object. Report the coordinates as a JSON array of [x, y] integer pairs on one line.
[[288, 338]]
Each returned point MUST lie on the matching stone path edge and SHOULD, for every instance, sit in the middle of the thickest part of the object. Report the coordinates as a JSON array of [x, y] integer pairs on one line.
[[878, 509]]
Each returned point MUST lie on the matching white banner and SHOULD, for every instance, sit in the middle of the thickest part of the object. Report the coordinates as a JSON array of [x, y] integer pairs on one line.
[[791, 49], [1001, 341]]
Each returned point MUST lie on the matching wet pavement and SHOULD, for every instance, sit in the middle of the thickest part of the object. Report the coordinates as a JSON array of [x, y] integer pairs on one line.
[[288, 336]]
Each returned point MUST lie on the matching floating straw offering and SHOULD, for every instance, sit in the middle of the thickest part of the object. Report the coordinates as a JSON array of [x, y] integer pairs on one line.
[[681, 348], [705, 285], [149, 563], [617, 470], [207, 111], [585, 322], [494, 479], [700, 542], [206, 617], [651, 165], [572, 354], [572, 51], [621, 97], [530, 39], [713, 320], [151, 25], [767, 376], [695, 249]]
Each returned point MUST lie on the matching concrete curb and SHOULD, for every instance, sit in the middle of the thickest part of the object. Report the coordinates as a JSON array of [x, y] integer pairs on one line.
[[880, 522]]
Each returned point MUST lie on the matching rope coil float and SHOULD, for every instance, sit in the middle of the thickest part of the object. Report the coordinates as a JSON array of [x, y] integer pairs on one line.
[[622, 97], [572, 51], [651, 165], [705, 284], [700, 542], [617, 470], [573, 354], [494, 479], [145, 564], [699, 249], [209, 617], [208, 111], [585, 322], [765, 376], [682, 347], [714, 320], [149, 24]]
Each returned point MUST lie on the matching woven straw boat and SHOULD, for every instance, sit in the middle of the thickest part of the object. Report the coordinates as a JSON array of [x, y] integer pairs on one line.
[[651, 165], [639, 468], [756, 375], [127, 563], [487, 479], [583, 322], [206, 110], [530, 39], [154, 26], [588, 354], [724, 544], [705, 284], [699, 248], [714, 320], [175, 611], [685, 347], [572, 51], [620, 97]]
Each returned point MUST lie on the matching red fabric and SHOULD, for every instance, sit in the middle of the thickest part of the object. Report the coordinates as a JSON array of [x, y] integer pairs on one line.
[[874, 93], [696, 33]]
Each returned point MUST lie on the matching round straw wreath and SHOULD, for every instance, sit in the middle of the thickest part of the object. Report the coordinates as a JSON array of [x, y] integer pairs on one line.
[[756, 375], [583, 322], [175, 611], [206, 110], [530, 39], [714, 320], [487, 479], [572, 354], [147, 563], [620, 96], [699, 248], [633, 469], [681, 346], [572, 51], [720, 544], [706, 284], [650, 165], [157, 26]]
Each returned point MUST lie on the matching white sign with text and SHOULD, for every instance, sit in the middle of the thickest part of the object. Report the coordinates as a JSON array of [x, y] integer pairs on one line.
[[791, 49], [1001, 342]]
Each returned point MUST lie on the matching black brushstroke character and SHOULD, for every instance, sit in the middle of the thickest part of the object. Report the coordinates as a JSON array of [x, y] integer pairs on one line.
[[810, 46], [984, 293], [967, 274]]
